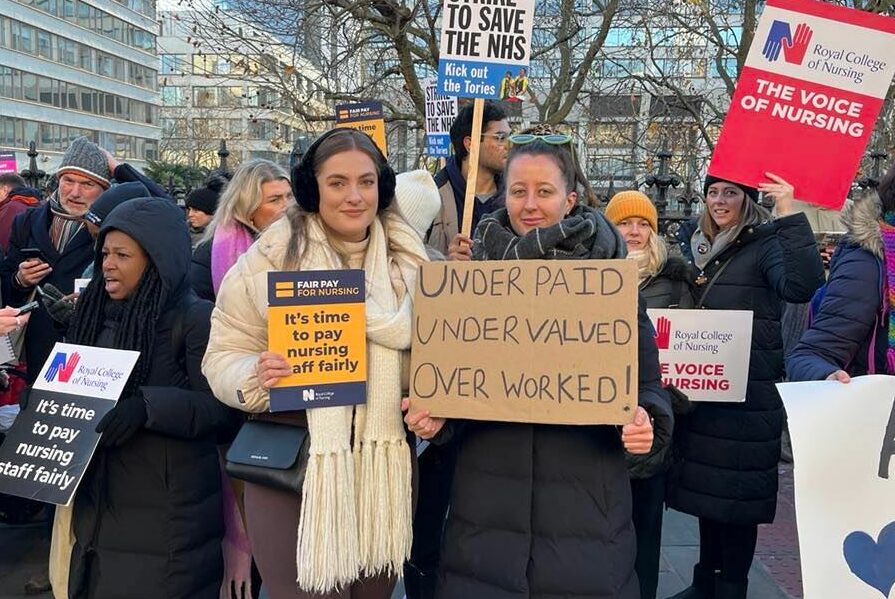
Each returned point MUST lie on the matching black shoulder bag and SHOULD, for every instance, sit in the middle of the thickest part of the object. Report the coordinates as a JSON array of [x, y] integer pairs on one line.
[[270, 453]]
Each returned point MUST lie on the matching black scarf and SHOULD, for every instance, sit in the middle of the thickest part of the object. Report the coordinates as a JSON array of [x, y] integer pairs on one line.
[[583, 234]]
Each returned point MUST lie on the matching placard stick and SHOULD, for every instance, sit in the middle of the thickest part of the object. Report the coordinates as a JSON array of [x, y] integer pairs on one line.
[[478, 109]]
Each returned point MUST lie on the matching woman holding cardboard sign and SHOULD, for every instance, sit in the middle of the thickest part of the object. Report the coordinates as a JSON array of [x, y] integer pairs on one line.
[[321, 537], [545, 510], [726, 473]]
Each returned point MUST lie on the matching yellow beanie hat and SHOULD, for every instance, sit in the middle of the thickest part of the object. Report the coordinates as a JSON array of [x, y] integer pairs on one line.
[[626, 204]]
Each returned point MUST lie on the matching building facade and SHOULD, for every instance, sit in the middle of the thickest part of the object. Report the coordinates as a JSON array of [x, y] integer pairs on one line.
[[74, 67], [214, 88]]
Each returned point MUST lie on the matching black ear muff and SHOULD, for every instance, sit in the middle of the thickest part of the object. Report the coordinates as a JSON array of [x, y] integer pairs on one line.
[[304, 183], [387, 183]]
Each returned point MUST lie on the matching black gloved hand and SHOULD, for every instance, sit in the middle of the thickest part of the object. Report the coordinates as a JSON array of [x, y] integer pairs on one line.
[[125, 419], [59, 308]]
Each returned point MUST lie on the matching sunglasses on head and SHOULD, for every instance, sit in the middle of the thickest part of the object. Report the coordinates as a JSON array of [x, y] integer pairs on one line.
[[554, 139]]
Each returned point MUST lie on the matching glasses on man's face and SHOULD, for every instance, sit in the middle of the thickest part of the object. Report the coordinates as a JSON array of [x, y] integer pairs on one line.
[[500, 137], [554, 139]]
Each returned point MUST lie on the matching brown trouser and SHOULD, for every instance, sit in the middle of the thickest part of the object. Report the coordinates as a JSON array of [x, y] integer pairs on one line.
[[273, 530]]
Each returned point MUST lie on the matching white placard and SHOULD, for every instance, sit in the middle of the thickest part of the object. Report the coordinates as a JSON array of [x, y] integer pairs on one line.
[[87, 371], [704, 353], [483, 43], [843, 438], [81, 284], [440, 114]]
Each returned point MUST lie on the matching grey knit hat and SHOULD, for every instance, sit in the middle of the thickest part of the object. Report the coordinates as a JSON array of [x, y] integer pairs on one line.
[[83, 157]]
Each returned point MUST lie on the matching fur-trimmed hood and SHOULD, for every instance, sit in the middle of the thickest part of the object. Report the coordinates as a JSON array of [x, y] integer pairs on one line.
[[861, 218]]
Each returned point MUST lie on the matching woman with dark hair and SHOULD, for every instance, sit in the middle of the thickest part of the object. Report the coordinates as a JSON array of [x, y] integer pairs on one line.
[[852, 331], [545, 510], [321, 537], [725, 472], [147, 517]]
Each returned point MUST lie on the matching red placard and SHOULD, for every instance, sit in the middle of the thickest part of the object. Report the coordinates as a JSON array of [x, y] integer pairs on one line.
[[807, 99]]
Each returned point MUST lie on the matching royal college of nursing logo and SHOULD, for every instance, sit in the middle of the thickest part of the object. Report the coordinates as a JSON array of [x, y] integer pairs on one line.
[[62, 367], [794, 47]]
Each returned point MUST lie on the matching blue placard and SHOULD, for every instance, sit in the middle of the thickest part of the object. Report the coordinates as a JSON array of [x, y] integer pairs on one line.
[[438, 144]]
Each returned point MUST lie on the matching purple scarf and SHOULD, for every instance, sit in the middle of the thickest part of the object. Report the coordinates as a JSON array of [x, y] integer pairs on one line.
[[230, 241]]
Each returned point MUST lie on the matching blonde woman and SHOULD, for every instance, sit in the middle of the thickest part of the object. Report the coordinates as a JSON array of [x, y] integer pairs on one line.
[[664, 280], [258, 195], [664, 283]]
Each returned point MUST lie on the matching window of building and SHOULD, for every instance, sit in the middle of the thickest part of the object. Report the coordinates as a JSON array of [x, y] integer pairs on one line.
[[174, 128], [172, 96], [173, 64], [29, 87], [22, 37], [205, 97], [6, 82], [624, 36], [728, 64], [611, 166], [67, 51], [44, 45]]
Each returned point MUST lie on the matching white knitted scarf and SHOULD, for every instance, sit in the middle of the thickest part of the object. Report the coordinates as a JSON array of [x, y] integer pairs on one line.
[[356, 501]]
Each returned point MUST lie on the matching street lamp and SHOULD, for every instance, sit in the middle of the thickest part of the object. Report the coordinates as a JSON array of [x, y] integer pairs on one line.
[[33, 175]]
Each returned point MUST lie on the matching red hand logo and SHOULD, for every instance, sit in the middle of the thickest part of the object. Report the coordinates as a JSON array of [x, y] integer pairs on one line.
[[663, 333], [794, 52]]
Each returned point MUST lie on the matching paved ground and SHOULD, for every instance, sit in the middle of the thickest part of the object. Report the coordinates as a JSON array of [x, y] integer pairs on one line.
[[775, 573]]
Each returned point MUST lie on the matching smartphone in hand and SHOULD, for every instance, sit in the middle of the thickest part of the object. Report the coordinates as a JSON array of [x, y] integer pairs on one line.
[[32, 253]]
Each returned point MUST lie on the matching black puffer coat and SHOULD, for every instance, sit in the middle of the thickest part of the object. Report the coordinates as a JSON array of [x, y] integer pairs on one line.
[[148, 516], [727, 467], [544, 511], [671, 288]]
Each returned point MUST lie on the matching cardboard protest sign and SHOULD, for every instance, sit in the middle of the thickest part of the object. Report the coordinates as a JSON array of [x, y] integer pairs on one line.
[[316, 320], [547, 341], [8, 162], [807, 98], [482, 45], [440, 114], [367, 117], [48, 449], [843, 440], [704, 353]]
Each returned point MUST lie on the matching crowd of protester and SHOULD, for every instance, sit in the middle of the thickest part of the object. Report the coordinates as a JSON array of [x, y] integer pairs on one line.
[[486, 509]]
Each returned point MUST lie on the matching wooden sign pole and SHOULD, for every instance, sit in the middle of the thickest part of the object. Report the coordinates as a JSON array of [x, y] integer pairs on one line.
[[478, 110]]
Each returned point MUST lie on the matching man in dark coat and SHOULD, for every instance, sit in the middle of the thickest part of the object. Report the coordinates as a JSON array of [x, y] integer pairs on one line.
[[56, 229], [147, 517]]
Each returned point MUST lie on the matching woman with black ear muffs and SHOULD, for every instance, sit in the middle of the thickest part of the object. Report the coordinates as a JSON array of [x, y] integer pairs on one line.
[[321, 543]]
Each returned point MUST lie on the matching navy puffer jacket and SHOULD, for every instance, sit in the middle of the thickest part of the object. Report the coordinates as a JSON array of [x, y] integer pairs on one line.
[[848, 330]]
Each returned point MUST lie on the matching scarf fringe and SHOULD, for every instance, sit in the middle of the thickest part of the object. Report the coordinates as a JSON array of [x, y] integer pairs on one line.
[[328, 550], [385, 512]]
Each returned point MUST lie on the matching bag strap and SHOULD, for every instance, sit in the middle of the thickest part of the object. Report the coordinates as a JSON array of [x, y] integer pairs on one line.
[[712, 282]]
